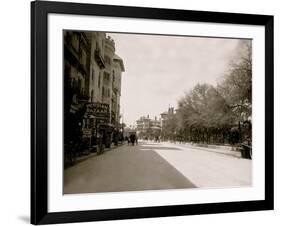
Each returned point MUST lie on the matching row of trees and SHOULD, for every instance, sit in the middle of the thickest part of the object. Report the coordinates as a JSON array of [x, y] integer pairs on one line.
[[221, 114]]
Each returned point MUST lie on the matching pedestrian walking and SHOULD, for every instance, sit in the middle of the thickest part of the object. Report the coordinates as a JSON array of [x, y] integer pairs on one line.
[[132, 139]]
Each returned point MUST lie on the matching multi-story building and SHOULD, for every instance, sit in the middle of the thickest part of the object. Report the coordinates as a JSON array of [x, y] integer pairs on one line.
[[118, 68], [148, 128], [76, 70], [96, 78], [165, 116], [143, 124], [167, 123], [94, 86]]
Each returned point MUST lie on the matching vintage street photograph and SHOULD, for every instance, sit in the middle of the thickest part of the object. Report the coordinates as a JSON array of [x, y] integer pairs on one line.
[[152, 112]]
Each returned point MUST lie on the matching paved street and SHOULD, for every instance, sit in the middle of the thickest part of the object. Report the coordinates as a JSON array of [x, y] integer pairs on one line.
[[152, 166]]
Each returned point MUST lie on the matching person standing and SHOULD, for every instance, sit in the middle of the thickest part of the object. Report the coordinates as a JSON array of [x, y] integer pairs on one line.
[[132, 139]]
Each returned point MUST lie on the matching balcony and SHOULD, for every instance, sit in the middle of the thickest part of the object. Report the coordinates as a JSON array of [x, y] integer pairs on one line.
[[99, 59]]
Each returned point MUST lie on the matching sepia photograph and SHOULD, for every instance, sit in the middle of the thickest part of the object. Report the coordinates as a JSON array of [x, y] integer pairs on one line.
[[153, 111], [140, 112]]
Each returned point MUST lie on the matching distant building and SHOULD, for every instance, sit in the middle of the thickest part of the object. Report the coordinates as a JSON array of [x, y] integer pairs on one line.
[[148, 128], [143, 124], [165, 116], [167, 124]]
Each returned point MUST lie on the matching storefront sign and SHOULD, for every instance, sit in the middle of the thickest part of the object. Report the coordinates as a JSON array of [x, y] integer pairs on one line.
[[99, 110]]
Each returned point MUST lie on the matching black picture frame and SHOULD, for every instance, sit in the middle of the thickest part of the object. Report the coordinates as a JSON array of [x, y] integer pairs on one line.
[[39, 112]]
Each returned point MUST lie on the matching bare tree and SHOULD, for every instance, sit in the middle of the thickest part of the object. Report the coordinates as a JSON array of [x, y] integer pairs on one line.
[[236, 86]]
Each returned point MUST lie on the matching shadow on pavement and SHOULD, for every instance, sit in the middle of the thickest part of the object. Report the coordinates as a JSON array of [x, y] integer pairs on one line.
[[128, 169]]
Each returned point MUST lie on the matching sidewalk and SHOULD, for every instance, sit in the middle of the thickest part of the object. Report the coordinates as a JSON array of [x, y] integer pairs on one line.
[[84, 157], [225, 150]]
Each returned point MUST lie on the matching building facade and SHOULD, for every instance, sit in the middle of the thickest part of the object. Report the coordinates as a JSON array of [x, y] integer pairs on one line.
[[76, 70], [92, 86], [148, 128], [118, 69], [168, 124], [165, 116]]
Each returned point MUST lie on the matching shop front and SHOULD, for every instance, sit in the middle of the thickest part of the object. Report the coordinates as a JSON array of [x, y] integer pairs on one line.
[[97, 120]]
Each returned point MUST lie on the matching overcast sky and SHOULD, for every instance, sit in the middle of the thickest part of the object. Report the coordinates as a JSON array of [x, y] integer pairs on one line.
[[160, 69]]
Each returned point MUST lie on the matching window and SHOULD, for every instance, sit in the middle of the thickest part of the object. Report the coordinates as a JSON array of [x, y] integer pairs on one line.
[[113, 79], [106, 76], [107, 60], [102, 92], [99, 80]]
